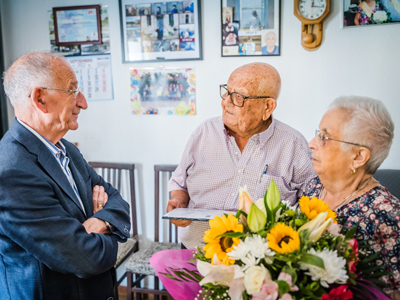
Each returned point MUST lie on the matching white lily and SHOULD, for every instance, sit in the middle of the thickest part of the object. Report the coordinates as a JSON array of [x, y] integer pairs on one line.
[[316, 227], [231, 276]]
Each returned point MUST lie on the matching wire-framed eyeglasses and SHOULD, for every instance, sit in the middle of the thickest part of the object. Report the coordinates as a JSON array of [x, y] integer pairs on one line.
[[322, 138], [236, 98], [76, 92]]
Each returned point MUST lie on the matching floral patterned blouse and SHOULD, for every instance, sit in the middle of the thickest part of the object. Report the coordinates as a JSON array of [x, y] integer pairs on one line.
[[364, 19], [377, 213]]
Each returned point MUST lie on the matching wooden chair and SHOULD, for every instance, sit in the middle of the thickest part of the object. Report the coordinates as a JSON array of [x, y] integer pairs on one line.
[[138, 266], [116, 174]]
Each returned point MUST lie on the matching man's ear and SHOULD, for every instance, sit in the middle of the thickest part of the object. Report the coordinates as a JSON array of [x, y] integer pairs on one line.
[[38, 101], [269, 107], [361, 157]]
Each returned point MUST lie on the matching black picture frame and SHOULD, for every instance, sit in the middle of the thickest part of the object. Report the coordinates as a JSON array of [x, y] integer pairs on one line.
[[159, 31], [249, 29], [68, 24]]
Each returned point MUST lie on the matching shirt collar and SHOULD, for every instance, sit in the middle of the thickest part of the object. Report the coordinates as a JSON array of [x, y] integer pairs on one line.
[[55, 149]]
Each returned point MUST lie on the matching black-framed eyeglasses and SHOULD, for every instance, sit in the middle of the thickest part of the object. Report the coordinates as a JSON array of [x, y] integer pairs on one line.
[[322, 138], [76, 92], [236, 98]]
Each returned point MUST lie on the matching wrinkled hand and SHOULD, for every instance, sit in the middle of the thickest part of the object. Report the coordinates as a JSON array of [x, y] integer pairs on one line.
[[94, 225], [100, 198], [172, 204]]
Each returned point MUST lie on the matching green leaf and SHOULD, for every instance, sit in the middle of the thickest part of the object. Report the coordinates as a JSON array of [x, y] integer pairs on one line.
[[350, 233], [240, 212], [292, 272], [313, 260], [234, 234], [283, 287]]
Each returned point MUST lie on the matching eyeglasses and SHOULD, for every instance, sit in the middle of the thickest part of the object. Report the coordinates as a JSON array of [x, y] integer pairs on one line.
[[322, 138], [236, 98], [76, 92]]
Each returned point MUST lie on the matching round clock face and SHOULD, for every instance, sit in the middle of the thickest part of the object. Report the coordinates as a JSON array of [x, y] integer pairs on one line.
[[312, 9]]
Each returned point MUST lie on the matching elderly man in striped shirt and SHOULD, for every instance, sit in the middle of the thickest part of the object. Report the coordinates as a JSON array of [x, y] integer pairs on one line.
[[246, 146]]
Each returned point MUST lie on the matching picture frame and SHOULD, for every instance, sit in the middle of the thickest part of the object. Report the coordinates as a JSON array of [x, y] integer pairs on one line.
[[77, 25], [382, 12], [250, 28], [155, 31]]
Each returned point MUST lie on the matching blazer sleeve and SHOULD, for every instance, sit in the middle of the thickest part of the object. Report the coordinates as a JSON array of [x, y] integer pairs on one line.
[[33, 217], [116, 210]]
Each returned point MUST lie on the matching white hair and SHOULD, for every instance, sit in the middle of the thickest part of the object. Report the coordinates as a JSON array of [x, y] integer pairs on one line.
[[29, 71], [369, 124]]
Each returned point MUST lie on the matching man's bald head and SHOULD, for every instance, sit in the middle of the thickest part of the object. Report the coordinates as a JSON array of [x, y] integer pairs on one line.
[[260, 79]]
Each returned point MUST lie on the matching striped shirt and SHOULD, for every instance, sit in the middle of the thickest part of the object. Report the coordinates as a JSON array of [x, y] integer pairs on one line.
[[60, 153], [212, 169]]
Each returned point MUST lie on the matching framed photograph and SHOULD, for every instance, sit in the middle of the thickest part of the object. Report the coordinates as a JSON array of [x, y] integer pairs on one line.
[[368, 12], [250, 28], [77, 25], [160, 31]]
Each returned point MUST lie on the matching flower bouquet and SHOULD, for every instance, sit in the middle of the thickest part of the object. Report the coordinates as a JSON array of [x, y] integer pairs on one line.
[[272, 251]]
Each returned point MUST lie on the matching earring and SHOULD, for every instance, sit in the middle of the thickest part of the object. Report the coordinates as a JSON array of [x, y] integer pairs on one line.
[[353, 171]]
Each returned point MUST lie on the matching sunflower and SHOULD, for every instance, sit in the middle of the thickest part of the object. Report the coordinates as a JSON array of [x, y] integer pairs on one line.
[[221, 245], [283, 239], [312, 208]]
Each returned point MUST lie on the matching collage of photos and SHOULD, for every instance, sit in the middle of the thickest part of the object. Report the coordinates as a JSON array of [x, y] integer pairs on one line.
[[163, 91], [369, 12], [251, 28], [159, 27]]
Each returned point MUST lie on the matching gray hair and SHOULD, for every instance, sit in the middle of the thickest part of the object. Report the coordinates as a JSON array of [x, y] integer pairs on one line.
[[369, 124], [29, 71]]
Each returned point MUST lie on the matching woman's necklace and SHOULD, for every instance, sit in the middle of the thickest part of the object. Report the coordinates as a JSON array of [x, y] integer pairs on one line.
[[348, 198]]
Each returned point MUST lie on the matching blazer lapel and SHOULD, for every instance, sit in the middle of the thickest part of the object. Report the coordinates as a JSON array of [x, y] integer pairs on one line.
[[80, 184], [53, 168], [45, 158]]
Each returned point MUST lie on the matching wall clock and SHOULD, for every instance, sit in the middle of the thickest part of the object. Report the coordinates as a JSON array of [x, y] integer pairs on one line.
[[311, 13]]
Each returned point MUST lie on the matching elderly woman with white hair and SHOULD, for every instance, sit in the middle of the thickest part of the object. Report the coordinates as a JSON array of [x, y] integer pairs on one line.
[[353, 139]]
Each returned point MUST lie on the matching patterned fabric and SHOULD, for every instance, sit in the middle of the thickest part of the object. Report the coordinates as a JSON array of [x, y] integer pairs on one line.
[[212, 169], [377, 213], [139, 262], [364, 19]]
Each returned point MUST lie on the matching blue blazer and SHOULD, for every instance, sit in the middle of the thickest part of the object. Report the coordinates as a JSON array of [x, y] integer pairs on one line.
[[45, 252]]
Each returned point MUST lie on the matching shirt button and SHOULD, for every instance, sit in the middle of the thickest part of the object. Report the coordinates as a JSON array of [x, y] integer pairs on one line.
[[233, 194], [236, 153], [239, 171]]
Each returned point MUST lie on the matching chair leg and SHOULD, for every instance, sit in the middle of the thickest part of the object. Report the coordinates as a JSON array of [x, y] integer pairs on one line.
[[129, 278], [138, 295], [156, 287]]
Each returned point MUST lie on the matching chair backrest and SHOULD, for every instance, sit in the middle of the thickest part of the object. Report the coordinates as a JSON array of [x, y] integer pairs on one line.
[[120, 175], [389, 179], [160, 191]]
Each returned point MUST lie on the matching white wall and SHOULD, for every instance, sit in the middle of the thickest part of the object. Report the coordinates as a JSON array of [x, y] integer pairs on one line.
[[360, 61]]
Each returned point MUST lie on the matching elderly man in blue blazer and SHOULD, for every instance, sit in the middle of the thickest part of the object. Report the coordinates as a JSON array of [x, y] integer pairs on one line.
[[59, 220]]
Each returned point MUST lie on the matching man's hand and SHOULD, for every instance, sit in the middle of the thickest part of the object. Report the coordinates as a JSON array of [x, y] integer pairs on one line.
[[172, 204], [94, 225], [100, 198]]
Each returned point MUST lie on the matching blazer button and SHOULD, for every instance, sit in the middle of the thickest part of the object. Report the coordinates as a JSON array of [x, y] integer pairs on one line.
[[110, 298]]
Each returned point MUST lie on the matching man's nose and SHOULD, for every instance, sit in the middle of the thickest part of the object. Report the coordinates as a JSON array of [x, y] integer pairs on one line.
[[81, 101], [313, 143]]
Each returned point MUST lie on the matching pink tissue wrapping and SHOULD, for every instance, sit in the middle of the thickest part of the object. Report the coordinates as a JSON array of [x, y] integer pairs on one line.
[[175, 259]]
